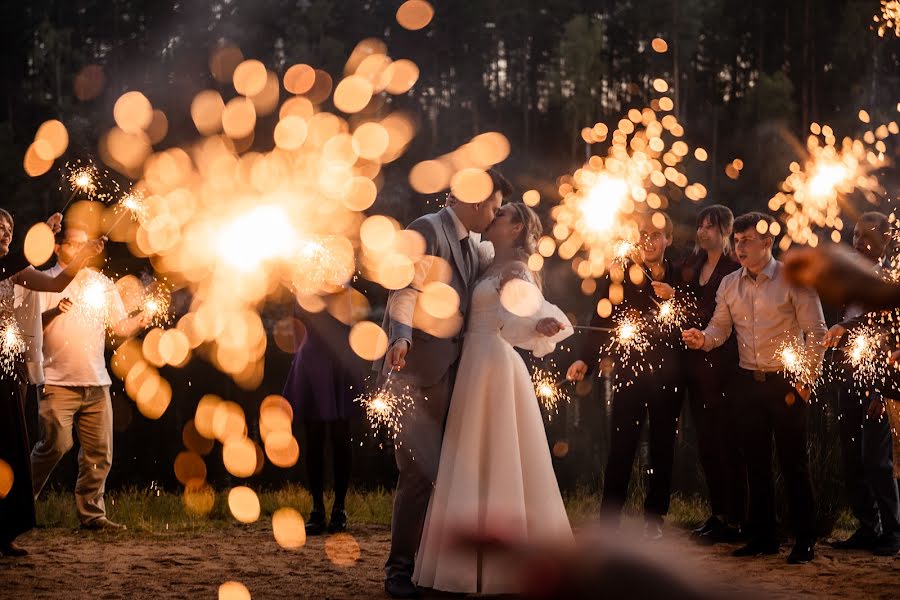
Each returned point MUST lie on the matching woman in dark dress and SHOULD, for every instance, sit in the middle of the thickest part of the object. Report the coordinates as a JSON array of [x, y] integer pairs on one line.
[[17, 504], [708, 376], [325, 378]]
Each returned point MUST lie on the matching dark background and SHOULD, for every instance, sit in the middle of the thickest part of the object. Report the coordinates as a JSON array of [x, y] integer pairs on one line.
[[748, 79]]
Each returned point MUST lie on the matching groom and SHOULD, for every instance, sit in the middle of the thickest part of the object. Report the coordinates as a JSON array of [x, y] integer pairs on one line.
[[427, 364]]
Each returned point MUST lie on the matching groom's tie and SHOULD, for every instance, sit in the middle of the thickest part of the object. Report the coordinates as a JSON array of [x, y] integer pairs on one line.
[[465, 245]]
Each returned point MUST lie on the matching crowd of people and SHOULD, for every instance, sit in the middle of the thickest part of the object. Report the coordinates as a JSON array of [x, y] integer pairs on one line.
[[62, 361], [472, 451]]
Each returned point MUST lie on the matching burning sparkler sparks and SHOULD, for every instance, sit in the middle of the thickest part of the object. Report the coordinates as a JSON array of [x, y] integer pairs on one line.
[[672, 314], [12, 344], [811, 195], [596, 215], [796, 362], [90, 302], [630, 335], [547, 390], [155, 305], [864, 354], [387, 405]]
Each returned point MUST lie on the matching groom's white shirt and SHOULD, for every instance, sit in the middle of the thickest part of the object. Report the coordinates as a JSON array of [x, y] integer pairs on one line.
[[403, 302]]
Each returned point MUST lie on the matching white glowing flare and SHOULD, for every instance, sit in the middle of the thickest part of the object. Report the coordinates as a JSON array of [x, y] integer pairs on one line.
[[263, 234]]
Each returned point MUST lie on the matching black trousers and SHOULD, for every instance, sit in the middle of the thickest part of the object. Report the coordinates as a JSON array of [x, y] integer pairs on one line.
[[867, 454], [315, 460], [708, 386], [653, 397], [773, 409]]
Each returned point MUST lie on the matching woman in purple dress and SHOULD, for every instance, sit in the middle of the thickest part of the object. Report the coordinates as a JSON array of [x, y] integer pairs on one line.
[[325, 378]]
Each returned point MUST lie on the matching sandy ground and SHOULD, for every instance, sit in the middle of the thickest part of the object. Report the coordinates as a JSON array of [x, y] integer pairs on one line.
[[67, 564]]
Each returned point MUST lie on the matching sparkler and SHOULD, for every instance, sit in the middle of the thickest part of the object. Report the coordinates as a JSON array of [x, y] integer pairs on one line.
[[599, 201], [672, 314], [630, 335], [811, 196], [81, 179], [547, 389], [796, 361], [90, 303], [131, 204], [12, 344], [863, 352], [386, 407], [156, 305]]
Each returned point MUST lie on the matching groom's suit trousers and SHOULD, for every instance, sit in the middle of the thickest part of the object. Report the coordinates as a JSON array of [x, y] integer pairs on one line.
[[417, 451]]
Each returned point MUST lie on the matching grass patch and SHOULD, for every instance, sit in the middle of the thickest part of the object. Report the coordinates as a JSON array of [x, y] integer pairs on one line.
[[156, 511]]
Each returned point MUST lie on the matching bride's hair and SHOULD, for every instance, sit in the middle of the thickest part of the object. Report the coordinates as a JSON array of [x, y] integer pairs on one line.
[[532, 229]]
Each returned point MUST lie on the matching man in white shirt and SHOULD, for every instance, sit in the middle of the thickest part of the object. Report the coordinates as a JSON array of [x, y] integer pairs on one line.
[[76, 385]]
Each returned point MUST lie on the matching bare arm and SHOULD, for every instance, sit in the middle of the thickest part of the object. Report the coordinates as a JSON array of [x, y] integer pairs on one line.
[[40, 281]]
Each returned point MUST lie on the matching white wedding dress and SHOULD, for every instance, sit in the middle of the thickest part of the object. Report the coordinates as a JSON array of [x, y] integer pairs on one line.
[[495, 473]]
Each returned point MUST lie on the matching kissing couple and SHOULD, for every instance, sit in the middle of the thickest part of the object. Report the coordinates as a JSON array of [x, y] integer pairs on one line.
[[472, 451]]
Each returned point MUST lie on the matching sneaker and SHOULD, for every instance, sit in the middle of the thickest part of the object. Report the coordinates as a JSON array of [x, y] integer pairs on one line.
[[861, 539], [338, 522], [103, 524], [758, 548], [316, 523], [802, 553], [887, 545]]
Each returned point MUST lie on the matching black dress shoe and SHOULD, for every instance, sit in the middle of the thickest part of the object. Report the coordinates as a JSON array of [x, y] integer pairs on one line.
[[802, 553], [12, 550], [860, 540], [316, 523], [338, 522], [887, 545], [400, 586], [711, 524], [758, 548], [726, 534]]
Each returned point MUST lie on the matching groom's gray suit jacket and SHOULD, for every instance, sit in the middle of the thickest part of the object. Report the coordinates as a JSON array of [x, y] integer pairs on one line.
[[430, 357]]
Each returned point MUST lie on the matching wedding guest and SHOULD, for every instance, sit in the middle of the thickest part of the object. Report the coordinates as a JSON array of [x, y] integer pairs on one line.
[[17, 504], [647, 388], [324, 380], [708, 377], [866, 445], [765, 311], [76, 385]]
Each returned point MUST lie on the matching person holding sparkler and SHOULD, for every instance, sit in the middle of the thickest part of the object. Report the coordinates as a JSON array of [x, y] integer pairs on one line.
[[17, 502], [765, 311], [324, 379], [427, 362], [653, 394], [866, 445], [76, 385], [707, 379]]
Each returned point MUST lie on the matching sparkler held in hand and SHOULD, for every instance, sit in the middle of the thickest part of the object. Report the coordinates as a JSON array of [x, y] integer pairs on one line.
[[385, 407]]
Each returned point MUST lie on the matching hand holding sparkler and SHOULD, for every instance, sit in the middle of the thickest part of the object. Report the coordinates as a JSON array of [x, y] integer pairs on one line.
[[55, 222], [548, 327], [693, 338], [833, 336], [577, 371], [663, 290]]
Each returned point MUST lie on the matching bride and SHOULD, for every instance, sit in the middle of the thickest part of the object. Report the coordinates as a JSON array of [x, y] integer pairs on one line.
[[495, 469]]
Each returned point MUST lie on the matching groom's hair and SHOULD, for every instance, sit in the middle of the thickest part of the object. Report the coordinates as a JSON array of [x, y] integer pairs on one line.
[[500, 184]]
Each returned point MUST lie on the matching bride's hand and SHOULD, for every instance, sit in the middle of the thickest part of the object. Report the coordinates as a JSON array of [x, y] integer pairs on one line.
[[549, 327]]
